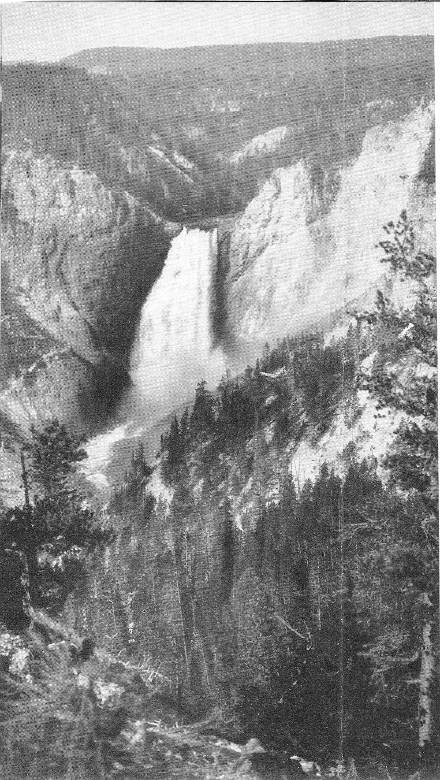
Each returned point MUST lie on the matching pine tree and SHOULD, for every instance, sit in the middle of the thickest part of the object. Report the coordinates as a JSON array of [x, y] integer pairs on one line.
[[55, 532], [227, 554], [54, 454], [174, 442], [404, 379], [202, 417]]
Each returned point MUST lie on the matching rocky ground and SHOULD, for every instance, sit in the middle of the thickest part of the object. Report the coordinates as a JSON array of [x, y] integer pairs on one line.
[[74, 712]]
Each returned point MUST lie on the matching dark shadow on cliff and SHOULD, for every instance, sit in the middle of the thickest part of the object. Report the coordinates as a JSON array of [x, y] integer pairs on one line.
[[142, 249], [99, 399]]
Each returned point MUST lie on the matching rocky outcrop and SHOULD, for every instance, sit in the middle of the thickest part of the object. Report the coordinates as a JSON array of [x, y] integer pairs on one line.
[[262, 145], [304, 248], [78, 259]]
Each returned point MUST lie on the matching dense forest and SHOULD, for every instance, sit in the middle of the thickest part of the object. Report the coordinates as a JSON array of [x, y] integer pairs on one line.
[[300, 612]]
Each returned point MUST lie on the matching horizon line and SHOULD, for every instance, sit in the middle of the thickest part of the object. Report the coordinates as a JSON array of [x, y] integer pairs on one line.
[[213, 46]]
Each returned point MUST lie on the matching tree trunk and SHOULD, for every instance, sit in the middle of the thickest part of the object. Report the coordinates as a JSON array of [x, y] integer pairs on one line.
[[341, 662], [32, 576], [425, 681], [315, 592], [227, 556], [24, 477], [185, 604]]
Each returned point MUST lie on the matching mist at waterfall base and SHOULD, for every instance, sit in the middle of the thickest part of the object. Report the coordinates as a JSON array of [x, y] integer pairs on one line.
[[173, 351]]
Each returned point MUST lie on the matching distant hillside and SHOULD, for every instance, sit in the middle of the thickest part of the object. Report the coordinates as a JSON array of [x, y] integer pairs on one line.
[[258, 87], [85, 120], [163, 124], [261, 57]]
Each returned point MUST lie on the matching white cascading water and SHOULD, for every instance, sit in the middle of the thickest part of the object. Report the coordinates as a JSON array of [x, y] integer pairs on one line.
[[174, 350]]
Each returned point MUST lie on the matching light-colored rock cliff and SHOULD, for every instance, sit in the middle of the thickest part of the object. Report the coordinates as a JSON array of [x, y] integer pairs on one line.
[[306, 246], [263, 144]]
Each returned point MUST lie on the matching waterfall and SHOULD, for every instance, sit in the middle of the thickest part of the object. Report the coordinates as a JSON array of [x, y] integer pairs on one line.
[[173, 349], [172, 352]]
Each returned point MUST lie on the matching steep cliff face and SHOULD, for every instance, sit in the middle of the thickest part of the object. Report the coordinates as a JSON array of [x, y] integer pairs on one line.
[[304, 249], [77, 262], [78, 257]]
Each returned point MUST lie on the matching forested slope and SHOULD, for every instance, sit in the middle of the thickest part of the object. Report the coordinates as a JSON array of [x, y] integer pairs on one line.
[[300, 606]]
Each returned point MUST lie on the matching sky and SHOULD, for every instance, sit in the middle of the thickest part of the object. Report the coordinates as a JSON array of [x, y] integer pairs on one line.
[[48, 31]]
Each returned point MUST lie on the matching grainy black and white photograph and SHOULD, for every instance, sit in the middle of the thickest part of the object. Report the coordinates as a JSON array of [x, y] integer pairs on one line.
[[218, 392]]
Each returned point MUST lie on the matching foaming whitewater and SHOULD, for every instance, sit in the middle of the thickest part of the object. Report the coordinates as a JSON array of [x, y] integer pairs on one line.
[[174, 348]]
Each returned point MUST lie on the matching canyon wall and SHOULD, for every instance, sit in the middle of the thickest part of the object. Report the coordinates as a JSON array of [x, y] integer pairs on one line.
[[306, 247], [77, 263]]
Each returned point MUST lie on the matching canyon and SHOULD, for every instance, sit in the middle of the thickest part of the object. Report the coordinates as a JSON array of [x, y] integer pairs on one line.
[[218, 274]]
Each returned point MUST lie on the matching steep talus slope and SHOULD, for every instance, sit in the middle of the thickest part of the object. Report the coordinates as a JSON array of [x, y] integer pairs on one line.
[[262, 145], [304, 247]]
